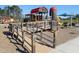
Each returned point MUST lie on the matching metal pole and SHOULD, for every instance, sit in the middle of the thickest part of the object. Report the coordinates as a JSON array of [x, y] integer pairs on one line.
[[77, 20], [71, 21]]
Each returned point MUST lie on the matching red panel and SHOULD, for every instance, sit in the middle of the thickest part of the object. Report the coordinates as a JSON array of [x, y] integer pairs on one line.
[[40, 9], [53, 9], [35, 10]]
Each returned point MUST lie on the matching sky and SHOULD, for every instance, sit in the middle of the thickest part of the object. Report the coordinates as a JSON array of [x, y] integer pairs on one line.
[[69, 9]]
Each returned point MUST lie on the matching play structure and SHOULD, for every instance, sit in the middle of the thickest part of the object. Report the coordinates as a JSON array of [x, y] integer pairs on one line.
[[54, 16], [40, 13], [59, 21], [33, 32], [37, 14]]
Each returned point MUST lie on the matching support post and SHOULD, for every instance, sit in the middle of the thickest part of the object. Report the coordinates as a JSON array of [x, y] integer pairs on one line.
[[12, 31], [33, 42], [54, 39], [22, 38], [71, 21], [21, 26], [44, 25], [17, 33], [22, 33], [41, 33]]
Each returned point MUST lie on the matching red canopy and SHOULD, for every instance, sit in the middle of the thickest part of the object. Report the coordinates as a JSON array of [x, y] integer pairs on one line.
[[53, 9], [34, 10], [40, 9]]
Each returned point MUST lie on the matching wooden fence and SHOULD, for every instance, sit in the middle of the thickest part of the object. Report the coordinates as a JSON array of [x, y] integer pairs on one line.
[[32, 31]]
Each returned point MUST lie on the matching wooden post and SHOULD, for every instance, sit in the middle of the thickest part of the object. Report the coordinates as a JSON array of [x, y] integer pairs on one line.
[[54, 38], [22, 38], [41, 33], [33, 42], [22, 33], [21, 26], [44, 25], [27, 25], [10, 27], [12, 31], [17, 33], [71, 21]]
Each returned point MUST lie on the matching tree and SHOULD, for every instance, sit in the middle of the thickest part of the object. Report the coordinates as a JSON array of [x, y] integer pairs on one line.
[[77, 16], [7, 10], [13, 11], [2, 12], [65, 14], [16, 11]]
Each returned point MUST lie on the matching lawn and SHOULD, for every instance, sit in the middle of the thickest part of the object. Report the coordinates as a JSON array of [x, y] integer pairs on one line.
[[73, 20]]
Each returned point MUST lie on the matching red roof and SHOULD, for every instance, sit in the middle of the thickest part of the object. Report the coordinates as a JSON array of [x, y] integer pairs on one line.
[[40, 9], [34, 10]]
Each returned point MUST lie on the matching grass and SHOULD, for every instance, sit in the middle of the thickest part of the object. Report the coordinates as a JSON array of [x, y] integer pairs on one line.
[[69, 21]]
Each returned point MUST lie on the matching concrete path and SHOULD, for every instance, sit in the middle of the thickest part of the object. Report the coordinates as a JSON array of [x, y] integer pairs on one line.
[[71, 46]]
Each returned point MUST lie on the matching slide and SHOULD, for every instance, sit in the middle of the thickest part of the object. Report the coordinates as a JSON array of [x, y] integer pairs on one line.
[[59, 21]]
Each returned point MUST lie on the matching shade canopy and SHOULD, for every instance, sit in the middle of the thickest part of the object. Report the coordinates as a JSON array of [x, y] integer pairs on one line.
[[53, 9]]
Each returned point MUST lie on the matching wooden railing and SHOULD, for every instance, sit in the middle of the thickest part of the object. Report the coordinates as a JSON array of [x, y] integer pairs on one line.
[[29, 28]]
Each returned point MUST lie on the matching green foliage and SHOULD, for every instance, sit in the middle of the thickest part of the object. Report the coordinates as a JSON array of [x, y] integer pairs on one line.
[[69, 21], [12, 11]]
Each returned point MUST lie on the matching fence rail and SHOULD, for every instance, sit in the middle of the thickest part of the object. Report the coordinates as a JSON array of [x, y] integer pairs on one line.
[[23, 32]]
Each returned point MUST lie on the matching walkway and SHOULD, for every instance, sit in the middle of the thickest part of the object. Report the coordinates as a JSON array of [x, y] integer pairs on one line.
[[71, 46]]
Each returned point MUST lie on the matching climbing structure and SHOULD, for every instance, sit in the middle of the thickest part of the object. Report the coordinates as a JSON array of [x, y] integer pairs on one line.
[[53, 22], [37, 14]]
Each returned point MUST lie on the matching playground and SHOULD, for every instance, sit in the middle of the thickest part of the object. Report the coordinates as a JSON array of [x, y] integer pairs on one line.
[[37, 33], [10, 46]]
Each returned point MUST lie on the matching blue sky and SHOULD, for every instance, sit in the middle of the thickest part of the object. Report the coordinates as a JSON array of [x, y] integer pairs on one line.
[[69, 9]]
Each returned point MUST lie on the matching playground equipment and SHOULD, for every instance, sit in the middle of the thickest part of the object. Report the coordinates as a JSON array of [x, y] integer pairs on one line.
[[29, 36], [53, 13], [37, 14], [59, 21], [55, 18], [40, 13], [36, 29], [53, 23]]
